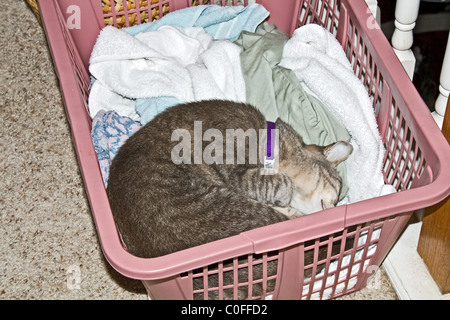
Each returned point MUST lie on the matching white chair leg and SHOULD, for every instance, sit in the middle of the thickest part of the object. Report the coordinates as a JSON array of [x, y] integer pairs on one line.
[[444, 88], [406, 12]]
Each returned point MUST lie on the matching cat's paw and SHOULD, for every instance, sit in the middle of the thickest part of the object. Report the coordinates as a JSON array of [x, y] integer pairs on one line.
[[282, 191], [289, 212]]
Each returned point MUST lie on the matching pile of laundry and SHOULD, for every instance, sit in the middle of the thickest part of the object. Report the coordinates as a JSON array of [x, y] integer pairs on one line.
[[231, 53]]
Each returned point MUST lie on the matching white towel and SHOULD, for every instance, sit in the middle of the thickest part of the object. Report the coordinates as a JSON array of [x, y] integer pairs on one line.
[[184, 63], [223, 62], [320, 64]]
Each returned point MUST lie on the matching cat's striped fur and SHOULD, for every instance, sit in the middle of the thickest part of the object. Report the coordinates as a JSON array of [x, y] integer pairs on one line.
[[161, 207]]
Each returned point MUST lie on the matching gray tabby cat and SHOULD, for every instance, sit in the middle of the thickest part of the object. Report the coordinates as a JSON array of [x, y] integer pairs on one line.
[[161, 207]]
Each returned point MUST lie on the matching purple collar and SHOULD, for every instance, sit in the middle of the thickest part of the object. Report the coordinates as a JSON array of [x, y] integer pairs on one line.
[[270, 140]]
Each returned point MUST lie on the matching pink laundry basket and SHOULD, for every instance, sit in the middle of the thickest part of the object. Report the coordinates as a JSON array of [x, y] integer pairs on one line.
[[417, 164]]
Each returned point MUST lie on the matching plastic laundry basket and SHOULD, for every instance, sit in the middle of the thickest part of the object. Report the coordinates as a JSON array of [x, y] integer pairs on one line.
[[346, 243]]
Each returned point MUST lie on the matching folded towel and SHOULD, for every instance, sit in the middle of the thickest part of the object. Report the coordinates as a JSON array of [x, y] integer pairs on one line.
[[222, 61], [222, 22], [160, 69], [142, 66], [320, 64]]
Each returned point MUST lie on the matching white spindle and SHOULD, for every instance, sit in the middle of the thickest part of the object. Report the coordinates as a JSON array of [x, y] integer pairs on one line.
[[406, 12], [444, 88]]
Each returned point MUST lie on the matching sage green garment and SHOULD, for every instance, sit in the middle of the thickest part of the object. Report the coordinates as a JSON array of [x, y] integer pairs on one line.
[[277, 92]]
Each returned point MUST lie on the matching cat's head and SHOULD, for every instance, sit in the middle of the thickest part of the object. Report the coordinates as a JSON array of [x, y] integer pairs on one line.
[[319, 187], [312, 169]]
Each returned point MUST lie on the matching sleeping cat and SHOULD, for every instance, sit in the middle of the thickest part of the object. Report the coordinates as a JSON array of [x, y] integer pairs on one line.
[[161, 206]]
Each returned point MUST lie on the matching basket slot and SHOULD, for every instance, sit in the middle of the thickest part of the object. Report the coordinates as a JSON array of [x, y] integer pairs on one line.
[[334, 264], [322, 12], [251, 276], [364, 66], [404, 163], [365, 241]]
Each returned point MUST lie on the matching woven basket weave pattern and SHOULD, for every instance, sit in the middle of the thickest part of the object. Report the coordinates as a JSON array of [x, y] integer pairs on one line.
[[114, 9], [34, 6], [144, 7], [158, 8]]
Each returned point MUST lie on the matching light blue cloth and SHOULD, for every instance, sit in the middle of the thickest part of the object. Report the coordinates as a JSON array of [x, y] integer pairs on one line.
[[109, 132], [223, 23], [148, 108]]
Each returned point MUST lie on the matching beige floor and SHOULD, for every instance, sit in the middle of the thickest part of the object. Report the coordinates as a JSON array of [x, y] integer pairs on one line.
[[48, 237]]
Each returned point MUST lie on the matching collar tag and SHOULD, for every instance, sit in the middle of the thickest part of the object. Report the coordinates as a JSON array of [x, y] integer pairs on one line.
[[269, 158]]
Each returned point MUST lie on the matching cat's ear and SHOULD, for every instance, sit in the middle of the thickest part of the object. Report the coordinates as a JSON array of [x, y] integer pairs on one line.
[[338, 152], [281, 125]]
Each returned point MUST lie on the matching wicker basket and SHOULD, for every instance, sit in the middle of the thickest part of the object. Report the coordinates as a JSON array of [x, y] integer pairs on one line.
[[109, 9], [131, 5], [118, 7], [34, 6]]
